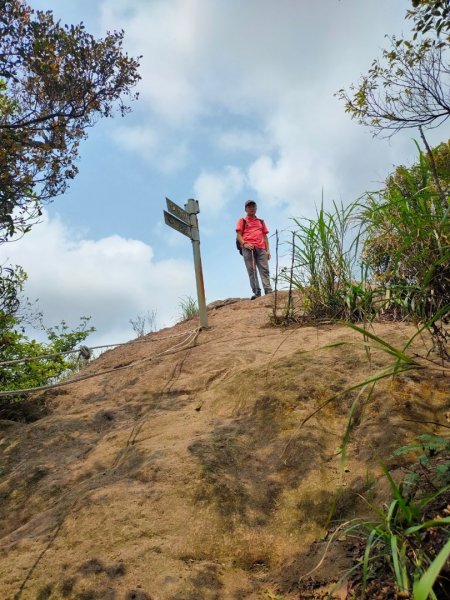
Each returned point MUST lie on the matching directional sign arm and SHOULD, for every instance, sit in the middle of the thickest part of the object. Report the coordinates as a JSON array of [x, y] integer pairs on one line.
[[177, 211], [175, 223]]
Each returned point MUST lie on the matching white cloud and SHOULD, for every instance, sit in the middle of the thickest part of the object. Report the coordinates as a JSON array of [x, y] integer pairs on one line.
[[165, 32], [112, 279], [242, 140], [202, 57], [254, 77], [216, 190], [152, 147]]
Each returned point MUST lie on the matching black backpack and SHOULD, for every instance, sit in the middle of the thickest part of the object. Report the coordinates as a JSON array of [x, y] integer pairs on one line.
[[244, 222]]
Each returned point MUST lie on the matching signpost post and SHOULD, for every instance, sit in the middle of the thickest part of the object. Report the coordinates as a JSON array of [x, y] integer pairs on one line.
[[185, 221]]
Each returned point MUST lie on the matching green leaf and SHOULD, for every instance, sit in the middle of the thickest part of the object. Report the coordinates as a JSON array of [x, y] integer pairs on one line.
[[397, 564], [424, 587], [371, 540], [428, 524]]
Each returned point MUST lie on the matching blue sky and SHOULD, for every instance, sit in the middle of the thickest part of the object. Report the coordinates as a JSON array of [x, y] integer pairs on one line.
[[236, 102]]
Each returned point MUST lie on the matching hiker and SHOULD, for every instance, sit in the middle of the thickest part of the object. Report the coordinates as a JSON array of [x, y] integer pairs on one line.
[[252, 237]]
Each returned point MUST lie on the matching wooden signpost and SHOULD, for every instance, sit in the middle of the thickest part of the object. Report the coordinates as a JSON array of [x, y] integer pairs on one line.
[[185, 221]]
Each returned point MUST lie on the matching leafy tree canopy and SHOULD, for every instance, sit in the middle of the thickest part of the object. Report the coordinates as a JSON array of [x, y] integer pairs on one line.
[[21, 362], [15, 345], [11, 283], [55, 82], [410, 85], [430, 15]]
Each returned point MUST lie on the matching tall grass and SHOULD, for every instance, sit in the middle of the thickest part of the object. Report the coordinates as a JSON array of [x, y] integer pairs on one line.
[[387, 254], [326, 252]]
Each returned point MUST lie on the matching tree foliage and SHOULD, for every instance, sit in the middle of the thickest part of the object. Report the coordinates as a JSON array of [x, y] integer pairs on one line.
[[430, 15], [11, 282], [410, 85], [15, 346], [55, 82]]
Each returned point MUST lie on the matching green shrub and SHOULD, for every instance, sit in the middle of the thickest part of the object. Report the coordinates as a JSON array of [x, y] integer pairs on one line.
[[406, 548], [15, 346], [407, 237]]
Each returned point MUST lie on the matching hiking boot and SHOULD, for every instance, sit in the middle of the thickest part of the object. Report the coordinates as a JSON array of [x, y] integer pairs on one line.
[[268, 291], [256, 295]]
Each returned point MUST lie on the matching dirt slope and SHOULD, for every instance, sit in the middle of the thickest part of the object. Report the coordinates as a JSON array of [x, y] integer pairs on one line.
[[182, 472]]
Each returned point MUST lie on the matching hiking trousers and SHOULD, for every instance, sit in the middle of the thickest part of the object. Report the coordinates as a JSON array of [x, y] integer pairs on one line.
[[257, 259]]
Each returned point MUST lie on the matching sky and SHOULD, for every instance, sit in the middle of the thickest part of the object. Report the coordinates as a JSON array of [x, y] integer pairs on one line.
[[237, 101]]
